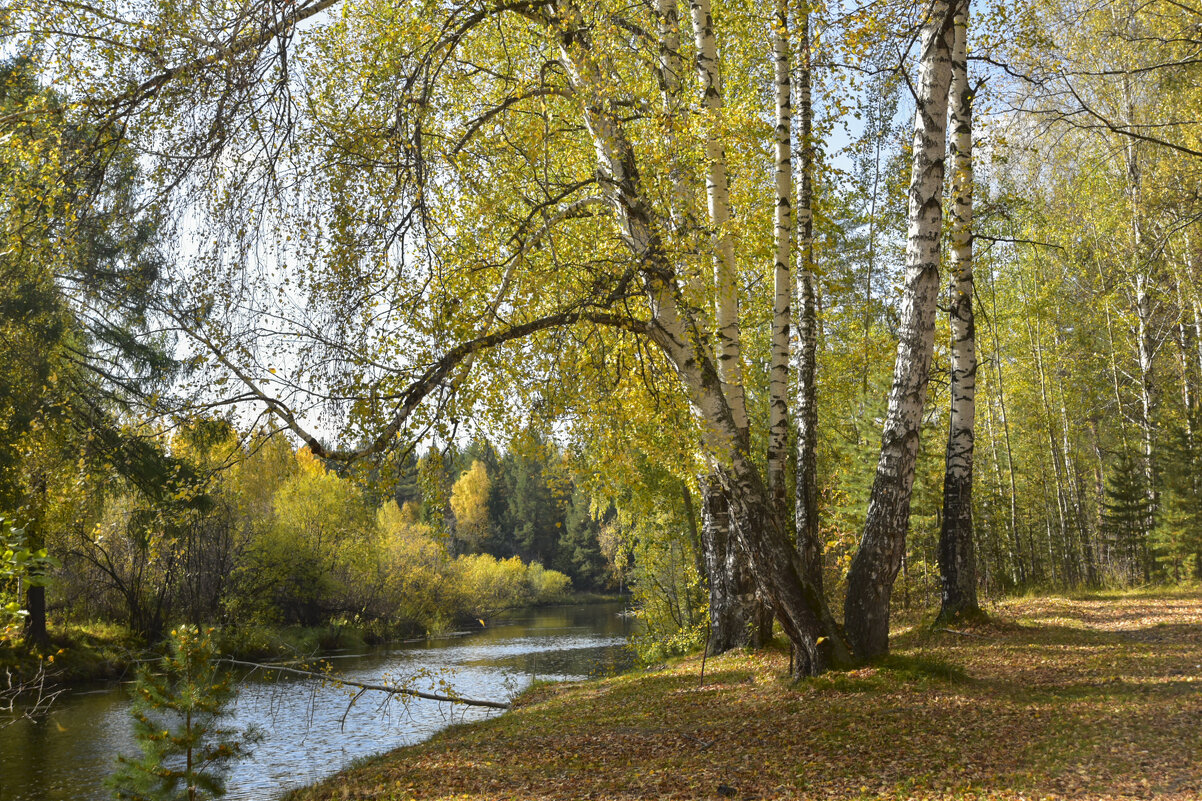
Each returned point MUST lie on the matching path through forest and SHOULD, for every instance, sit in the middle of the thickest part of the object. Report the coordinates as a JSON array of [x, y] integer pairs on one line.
[[1096, 698]]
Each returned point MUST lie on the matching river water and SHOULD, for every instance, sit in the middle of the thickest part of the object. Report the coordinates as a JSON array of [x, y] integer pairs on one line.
[[308, 732]]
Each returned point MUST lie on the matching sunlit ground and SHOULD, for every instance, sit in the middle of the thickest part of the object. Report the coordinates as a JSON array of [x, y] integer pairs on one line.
[[1057, 698]]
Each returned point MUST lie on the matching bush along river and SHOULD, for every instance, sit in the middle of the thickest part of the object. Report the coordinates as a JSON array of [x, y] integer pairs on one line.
[[308, 730]]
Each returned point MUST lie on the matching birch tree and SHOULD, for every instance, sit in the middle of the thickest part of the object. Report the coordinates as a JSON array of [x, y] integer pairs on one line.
[[778, 391], [806, 348], [407, 214], [735, 614], [957, 561], [882, 545]]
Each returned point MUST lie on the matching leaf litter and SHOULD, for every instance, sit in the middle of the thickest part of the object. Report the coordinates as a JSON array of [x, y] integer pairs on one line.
[[1053, 699]]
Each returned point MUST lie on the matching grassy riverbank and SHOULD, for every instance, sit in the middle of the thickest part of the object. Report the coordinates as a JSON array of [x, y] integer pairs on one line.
[[80, 653], [1094, 697]]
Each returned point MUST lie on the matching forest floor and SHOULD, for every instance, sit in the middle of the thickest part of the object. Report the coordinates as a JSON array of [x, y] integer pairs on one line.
[[1055, 698]]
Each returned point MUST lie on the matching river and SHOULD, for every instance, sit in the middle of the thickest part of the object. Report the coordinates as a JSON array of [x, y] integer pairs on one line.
[[68, 754]]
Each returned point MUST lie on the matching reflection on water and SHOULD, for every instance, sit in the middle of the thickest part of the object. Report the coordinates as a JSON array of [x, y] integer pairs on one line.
[[309, 731]]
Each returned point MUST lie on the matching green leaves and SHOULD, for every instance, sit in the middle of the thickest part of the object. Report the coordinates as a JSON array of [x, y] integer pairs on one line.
[[176, 714], [21, 565]]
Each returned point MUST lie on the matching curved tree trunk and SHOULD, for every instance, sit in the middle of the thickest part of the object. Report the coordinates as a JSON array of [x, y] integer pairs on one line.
[[957, 560], [875, 566], [674, 329]]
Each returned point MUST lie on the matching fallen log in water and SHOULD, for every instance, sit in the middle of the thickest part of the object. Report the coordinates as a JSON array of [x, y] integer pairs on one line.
[[364, 687]]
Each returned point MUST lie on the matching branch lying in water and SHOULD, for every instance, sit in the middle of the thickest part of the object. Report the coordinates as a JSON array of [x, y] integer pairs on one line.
[[35, 695], [363, 687]]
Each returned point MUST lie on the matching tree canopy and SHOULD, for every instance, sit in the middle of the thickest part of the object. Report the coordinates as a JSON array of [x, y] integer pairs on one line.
[[699, 249]]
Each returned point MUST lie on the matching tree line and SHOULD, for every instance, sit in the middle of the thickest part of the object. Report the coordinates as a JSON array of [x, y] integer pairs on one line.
[[262, 535]]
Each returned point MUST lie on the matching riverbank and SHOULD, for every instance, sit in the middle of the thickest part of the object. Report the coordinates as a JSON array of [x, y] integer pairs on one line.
[[85, 653], [312, 729], [1094, 697]]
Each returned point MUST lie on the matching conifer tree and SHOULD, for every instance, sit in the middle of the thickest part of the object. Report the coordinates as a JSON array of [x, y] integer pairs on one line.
[[185, 750]]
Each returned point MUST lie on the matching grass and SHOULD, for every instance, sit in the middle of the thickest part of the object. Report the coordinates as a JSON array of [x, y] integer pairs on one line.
[[78, 652], [85, 652], [1053, 698]]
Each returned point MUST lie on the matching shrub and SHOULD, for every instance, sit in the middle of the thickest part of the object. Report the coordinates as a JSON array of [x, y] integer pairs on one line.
[[546, 586]]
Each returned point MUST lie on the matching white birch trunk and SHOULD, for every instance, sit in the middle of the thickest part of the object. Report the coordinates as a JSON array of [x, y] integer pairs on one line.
[[875, 566], [730, 355], [778, 386], [734, 612], [756, 525], [957, 560], [1143, 311]]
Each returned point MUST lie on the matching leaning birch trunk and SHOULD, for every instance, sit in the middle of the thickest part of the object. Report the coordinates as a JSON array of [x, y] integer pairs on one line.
[[957, 562], [805, 412], [759, 530], [778, 381], [875, 566]]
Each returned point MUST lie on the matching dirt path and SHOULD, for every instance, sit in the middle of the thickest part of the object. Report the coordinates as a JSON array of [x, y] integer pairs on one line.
[[1057, 699]]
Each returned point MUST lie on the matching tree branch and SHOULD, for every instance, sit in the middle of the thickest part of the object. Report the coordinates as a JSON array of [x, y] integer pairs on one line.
[[365, 686]]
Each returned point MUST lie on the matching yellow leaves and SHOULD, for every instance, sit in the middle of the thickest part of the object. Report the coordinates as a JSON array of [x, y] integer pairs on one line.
[[469, 502]]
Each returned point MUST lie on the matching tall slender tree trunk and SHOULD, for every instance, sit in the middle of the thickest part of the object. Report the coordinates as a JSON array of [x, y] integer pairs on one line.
[[957, 560], [1143, 313], [1083, 543], [729, 338], [1015, 534], [1035, 334], [733, 622], [1147, 399], [726, 305], [805, 410], [1011, 566], [778, 387], [1100, 555], [875, 566]]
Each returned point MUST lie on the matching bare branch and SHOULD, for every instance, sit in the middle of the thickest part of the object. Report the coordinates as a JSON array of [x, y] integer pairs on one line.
[[365, 686]]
